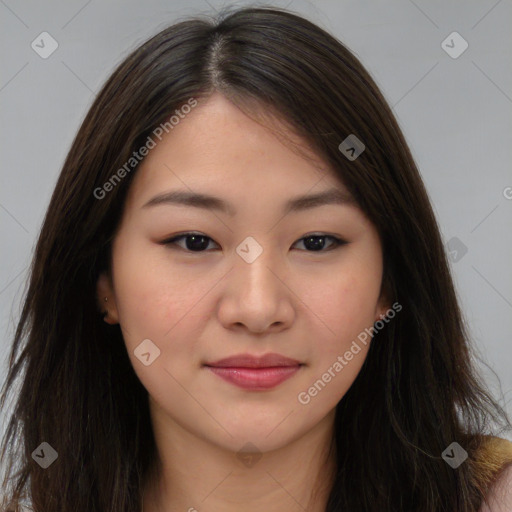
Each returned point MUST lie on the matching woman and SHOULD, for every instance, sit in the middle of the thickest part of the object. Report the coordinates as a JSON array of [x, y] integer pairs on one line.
[[309, 354]]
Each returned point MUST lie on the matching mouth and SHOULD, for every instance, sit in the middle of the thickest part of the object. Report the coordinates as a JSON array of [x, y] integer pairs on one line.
[[255, 373]]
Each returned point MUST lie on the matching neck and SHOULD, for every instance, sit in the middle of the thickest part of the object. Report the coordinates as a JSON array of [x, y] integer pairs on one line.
[[193, 475]]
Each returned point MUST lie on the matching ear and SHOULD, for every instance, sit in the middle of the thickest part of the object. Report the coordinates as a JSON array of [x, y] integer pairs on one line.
[[383, 305], [106, 299]]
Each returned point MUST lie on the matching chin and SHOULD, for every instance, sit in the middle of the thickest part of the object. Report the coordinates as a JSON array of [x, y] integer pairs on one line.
[[265, 438]]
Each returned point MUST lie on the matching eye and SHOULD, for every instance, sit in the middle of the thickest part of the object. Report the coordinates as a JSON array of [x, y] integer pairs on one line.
[[197, 242], [317, 242]]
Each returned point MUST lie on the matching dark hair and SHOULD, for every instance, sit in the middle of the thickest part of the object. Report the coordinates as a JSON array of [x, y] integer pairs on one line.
[[417, 391]]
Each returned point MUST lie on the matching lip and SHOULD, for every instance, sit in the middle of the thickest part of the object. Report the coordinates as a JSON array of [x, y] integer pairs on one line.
[[250, 361], [255, 372]]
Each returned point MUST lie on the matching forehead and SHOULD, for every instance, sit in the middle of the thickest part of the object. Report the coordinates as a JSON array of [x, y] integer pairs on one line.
[[218, 146]]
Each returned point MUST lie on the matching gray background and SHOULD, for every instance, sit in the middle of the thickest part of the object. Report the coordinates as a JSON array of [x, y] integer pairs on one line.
[[455, 112]]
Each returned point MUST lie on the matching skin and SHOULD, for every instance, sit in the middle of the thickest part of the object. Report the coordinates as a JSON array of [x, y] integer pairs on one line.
[[499, 497], [199, 307]]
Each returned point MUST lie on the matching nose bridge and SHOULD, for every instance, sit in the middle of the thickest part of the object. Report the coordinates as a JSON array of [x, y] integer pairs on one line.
[[256, 265], [256, 296]]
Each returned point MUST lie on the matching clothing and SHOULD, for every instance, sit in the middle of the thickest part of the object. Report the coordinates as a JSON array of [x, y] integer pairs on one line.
[[497, 454]]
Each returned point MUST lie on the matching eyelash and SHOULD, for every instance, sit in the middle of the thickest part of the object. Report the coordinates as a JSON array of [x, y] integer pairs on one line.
[[338, 242]]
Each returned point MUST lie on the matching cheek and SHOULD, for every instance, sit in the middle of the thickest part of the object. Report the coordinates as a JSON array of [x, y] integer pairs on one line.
[[154, 303], [345, 308], [152, 300]]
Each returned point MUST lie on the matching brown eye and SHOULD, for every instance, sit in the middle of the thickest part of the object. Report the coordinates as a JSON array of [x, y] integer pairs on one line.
[[194, 242], [316, 243]]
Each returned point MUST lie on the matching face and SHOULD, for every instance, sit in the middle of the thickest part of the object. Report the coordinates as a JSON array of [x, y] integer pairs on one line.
[[254, 278]]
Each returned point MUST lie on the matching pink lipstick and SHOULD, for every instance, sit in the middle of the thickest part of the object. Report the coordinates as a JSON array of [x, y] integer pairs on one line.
[[255, 372]]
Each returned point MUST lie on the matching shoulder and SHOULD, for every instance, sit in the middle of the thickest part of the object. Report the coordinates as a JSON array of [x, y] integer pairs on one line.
[[498, 452], [499, 496]]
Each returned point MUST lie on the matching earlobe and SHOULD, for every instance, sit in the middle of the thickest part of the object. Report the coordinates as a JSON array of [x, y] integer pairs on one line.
[[381, 314], [383, 307], [106, 299]]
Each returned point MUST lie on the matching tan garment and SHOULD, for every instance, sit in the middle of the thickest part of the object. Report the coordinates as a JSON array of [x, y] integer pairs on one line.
[[497, 454]]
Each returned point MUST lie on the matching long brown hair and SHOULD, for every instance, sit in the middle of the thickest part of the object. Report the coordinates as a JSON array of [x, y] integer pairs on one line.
[[417, 391]]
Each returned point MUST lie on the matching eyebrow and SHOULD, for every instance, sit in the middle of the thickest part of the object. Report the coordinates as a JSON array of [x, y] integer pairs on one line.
[[208, 202]]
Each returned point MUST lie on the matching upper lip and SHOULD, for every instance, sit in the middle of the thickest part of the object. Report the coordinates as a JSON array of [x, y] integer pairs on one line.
[[250, 361]]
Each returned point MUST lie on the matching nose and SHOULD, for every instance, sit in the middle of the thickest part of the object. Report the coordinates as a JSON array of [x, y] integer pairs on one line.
[[256, 296]]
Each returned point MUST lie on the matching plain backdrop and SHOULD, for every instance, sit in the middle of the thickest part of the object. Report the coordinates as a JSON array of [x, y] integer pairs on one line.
[[455, 109]]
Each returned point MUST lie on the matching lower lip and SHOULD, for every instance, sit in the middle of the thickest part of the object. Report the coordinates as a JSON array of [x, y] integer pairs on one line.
[[255, 378]]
